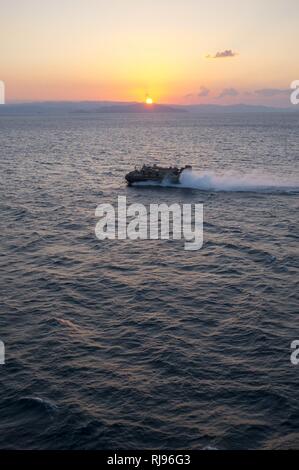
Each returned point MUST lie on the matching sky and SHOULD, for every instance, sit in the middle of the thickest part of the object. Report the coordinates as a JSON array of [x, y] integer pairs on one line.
[[174, 51]]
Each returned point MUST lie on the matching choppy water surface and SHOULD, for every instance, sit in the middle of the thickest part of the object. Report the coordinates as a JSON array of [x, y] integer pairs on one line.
[[123, 344]]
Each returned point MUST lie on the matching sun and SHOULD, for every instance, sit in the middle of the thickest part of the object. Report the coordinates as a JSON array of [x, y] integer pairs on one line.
[[148, 100]]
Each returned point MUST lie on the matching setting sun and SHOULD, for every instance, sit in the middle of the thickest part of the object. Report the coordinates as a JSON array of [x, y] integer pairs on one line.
[[149, 100]]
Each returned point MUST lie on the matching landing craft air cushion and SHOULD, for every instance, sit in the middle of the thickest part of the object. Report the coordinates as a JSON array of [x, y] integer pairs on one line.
[[156, 174]]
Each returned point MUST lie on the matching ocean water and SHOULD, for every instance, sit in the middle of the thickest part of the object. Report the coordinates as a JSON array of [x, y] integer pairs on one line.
[[141, 344]]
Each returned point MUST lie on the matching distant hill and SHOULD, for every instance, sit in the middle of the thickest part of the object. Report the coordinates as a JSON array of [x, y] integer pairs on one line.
[[137, 108], [236, 108], [109, 107], [89, 107]]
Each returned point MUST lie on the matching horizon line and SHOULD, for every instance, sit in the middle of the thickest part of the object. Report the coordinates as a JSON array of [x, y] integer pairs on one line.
[[189, 105]]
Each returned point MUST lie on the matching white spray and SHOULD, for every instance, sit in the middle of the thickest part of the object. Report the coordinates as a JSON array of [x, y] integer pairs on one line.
[[232, 181]]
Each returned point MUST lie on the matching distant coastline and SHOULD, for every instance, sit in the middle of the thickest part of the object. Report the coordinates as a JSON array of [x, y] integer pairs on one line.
[[107, 107]]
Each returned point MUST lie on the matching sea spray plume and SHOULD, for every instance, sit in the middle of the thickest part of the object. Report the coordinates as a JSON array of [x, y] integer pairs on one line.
[[209, 180]]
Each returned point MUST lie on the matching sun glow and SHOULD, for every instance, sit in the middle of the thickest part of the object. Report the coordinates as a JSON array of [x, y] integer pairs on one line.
[[149, 100]]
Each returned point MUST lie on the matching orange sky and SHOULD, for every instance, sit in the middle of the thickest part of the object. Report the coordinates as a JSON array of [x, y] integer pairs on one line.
[[126, 50]]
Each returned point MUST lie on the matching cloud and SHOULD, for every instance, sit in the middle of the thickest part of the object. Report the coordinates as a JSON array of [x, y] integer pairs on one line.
[[228, 92], [222, 55], [203, 92], [272, 92]]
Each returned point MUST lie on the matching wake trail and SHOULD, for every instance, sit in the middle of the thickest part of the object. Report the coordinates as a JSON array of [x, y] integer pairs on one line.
[[231, 181]]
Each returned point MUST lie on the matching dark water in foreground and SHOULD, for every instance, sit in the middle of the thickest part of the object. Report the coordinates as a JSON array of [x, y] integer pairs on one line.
[[124, 344]]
